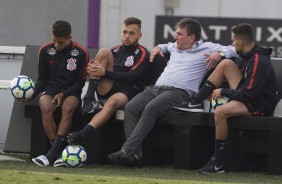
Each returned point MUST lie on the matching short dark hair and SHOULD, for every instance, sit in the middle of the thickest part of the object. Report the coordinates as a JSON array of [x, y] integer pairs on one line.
[[192, 27], [61, 28], [132, 20], [245, 31]]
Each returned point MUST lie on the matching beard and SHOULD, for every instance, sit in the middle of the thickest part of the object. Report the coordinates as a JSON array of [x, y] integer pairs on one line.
[[134, 43]]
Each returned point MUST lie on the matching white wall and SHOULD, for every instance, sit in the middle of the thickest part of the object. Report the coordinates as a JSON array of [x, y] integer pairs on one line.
[[25, 22], [29, 22], [9, 68]]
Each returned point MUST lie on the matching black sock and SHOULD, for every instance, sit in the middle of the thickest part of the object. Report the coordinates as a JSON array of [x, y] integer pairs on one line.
[[204, 92], [219, 151], [88, 129], [56, 149], [51, 141], [93, 83]]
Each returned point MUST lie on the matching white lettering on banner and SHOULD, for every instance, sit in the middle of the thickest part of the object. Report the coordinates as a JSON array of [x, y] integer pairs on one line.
[[276, 52], [204, 34], [258, 34], [279, 51], [217, 30], [168, 31], [275, 34]]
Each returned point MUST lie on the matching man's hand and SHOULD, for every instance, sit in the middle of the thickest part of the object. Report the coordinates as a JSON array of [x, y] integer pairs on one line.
[[26, 100], [212, 60], [95, 69], [216, 93], [58, 101], [156, 50]]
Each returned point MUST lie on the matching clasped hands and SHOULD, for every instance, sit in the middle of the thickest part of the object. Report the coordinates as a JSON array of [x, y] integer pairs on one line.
[[95, 69]]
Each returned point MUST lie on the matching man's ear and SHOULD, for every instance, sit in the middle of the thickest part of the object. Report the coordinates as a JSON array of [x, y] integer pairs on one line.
[[140, 35]]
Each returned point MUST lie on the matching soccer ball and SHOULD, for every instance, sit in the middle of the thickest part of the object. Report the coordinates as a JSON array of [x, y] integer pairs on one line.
[[22, 87], [74, 156], [219, 101]]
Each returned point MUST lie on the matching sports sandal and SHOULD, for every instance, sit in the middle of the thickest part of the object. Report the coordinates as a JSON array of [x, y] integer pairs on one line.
[[41, 160]]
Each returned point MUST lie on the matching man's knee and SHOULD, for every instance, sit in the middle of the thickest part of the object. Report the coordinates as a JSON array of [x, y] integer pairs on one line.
[[70, 104], [103, 53], [219, 113], [129, 106], [111, 104], [69, 109], [45, 108], [225, 63], [228, 63]]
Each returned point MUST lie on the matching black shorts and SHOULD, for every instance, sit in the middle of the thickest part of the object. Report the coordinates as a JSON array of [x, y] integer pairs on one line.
[[52, 93], [126, 89], [257, 107]]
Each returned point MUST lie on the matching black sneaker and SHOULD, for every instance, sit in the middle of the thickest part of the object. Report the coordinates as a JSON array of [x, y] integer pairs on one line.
[[186, 106], [89, 105], [74, 138], [212, 167], [130, 160], [115, 157]]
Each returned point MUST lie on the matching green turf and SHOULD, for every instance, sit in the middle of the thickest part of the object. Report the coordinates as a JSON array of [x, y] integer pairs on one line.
[[27, 172]]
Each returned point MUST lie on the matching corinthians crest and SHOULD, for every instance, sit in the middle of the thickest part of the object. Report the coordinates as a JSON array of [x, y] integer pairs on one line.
[[129, 61], [71, 64]]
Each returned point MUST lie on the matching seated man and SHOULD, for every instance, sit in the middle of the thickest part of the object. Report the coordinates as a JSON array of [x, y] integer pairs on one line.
[[61, 77], [119, 74], [252, 89], [189, 61]]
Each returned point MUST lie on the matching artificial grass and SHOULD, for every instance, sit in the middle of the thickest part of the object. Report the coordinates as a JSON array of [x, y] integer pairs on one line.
[[27, 172]]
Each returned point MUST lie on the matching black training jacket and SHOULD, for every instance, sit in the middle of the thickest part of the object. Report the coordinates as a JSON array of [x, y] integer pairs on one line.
[[131, 65], [63, 71], [260, 79]]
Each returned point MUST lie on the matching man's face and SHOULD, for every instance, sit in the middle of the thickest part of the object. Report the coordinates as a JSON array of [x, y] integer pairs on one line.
[[183, 40], [238, 44], [61, 42], [130, 34]]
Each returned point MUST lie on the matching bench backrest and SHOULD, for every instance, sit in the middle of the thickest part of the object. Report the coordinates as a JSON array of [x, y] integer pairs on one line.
[[156, 68], [277, 65]]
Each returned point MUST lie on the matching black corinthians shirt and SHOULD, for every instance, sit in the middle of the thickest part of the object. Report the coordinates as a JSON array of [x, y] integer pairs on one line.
[[131, 65], [62, 71]]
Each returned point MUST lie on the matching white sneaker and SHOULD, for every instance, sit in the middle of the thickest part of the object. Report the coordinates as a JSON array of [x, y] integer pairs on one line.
[[41, 160], [59, 163]]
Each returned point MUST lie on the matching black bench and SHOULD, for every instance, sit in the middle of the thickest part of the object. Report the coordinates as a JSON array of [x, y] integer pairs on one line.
[[183, 139]]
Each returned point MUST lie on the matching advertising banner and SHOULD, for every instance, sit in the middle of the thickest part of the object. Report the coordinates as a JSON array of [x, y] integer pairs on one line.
[[268, 32]]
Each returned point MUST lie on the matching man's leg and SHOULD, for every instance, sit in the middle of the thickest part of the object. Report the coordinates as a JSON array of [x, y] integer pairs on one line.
[[49, 124], [105, 58], [225, 70], [70, 104], [136, 106], [165, 100], [233, 108], [116, 101]]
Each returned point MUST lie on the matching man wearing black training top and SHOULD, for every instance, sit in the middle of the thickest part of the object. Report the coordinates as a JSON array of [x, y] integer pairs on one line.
[[61, 77], [117, 75]]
